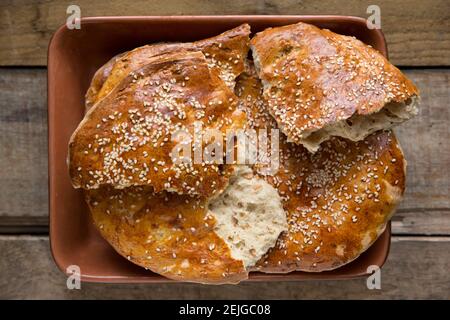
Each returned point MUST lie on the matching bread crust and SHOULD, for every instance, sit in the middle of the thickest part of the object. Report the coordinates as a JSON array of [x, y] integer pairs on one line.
[[337, 200], [169, 234], [226, 53], [314, 78], [99, 79], [126, 139]]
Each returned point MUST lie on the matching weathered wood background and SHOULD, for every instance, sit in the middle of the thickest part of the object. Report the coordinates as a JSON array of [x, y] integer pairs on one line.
[[418, 36]]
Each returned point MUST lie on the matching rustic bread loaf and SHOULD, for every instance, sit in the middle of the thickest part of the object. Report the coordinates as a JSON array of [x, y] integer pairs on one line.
[[214, 223], [127, 139], [337, 200], [192, 238], [320, 84], [225, 53]]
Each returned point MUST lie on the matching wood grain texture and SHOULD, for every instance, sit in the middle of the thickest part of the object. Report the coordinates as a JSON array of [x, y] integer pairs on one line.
[[416, 268], [23, 143], [23, 154], [425, 139], [421, 222], [417, 32]]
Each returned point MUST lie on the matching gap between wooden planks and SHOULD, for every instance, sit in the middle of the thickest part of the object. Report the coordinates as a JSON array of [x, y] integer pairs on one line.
[[418, 32]]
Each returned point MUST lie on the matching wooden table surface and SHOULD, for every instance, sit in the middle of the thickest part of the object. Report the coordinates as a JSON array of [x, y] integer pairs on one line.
[[418, 36]]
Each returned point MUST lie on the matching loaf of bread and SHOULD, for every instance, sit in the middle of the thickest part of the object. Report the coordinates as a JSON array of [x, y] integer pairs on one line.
[[191, 238], [320, 84], [340, 173], [337, 200], [128, 137], [225, 53]]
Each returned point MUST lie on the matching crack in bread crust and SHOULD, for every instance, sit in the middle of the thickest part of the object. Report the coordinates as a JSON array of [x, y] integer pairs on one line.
[[225, 53]]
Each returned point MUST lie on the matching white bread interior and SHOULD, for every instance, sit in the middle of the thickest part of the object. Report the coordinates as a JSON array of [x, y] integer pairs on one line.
[[249, 215], [358, 127]]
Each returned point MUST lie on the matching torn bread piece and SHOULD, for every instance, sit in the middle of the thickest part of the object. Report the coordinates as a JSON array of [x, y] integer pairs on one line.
[[190, 238], [225, 53], [133, 137], [337, 200], [320, 84], [249, 213]]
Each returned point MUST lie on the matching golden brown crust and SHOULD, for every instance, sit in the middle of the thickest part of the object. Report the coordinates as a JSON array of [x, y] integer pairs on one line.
[[169, 234], [315, 78], [99, 79], [126, 139], [337, 200], [225, 53]]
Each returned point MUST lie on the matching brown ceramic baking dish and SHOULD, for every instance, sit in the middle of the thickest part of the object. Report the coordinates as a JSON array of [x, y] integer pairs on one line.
[[73, 57]]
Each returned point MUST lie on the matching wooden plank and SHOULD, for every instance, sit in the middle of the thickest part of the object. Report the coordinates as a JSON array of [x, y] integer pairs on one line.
[[424, 140], [23, 154], [23, 143], [417, 31], [421, 222], [416, 268]]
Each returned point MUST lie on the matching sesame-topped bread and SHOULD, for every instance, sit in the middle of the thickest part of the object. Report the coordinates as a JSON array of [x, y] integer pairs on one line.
[[226, 53], [188, 238], [337, 200], [320, 84], [129, 137], [139, 153]]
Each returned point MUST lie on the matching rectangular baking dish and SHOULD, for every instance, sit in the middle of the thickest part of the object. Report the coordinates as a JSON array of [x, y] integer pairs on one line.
[[73, 58]]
